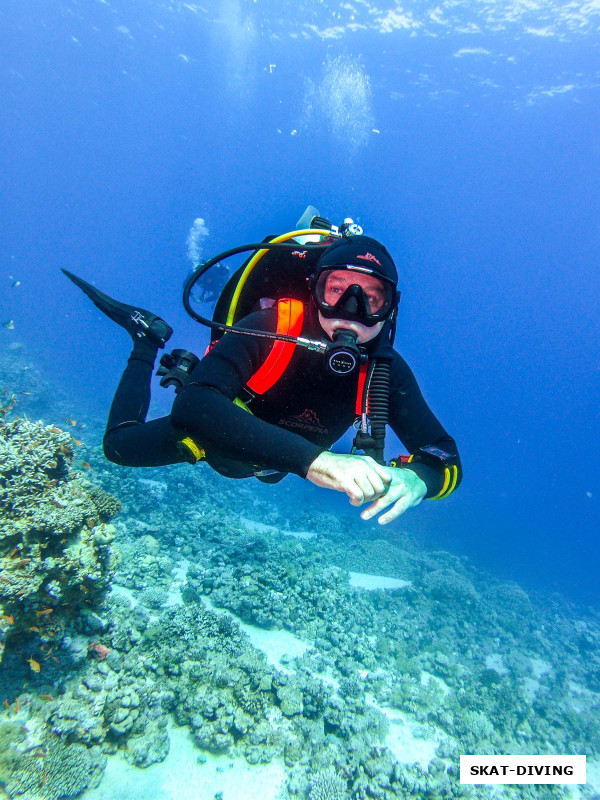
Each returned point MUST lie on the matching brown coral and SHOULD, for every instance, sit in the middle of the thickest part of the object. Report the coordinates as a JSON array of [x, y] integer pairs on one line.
[[51, 560]]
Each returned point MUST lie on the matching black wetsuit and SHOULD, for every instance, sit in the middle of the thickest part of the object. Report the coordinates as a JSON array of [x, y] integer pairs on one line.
[[303, 414]]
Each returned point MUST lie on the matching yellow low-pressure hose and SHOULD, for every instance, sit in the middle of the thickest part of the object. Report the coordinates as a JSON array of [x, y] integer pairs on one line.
[[256, 258]]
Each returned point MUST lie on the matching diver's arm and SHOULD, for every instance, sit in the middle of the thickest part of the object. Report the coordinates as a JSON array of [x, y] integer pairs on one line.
[[423, 436], [206, 411], [224, 429]]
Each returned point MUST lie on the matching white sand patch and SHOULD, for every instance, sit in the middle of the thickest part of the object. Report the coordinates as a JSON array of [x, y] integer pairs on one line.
[[472, 51], [362, 580], [262, 527], [297, 534], [123, 591], [539, 667], [581, 698], [273, 643], [592, 775], [495, 662], [404, 739], [181, 777], [545, 32], [174, 594], [531, 687]]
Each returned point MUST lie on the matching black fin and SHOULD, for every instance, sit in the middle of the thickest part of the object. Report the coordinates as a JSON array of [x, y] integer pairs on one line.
[[138, 322]]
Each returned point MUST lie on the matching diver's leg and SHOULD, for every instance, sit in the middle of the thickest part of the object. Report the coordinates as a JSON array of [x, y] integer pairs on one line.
[[132, 398], [129, 440]]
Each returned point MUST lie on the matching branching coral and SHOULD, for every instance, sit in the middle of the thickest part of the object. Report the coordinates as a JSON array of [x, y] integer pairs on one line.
[[327, 785], [52, 770]]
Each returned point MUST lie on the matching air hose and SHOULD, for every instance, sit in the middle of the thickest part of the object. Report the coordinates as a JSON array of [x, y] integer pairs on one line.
[[375, 409], [281, 243]]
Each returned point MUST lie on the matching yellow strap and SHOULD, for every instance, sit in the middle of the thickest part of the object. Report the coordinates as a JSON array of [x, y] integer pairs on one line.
[[196, 451], [256, 258], [450, 480], [453, 481], [442, 491]]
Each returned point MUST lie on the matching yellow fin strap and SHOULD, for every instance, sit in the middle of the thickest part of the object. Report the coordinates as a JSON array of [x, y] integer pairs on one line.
[[191, 445], [453, 481]]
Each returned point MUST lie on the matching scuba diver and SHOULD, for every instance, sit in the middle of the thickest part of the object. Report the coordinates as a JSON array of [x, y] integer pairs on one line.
[[213, 285], [301, 350]]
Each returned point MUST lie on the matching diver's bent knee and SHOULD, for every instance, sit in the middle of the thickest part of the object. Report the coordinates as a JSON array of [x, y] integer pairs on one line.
[[113, 455]]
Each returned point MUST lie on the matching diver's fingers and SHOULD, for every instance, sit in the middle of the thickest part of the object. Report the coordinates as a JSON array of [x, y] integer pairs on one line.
[[360, 477], [396, 510], [393, 494], [384, 473], [375, 487], [356, 496], [370, 485]]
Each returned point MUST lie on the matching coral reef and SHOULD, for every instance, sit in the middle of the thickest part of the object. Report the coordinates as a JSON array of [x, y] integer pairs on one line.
[[456, 662], [327, 785], [39, 765], [56, 555]]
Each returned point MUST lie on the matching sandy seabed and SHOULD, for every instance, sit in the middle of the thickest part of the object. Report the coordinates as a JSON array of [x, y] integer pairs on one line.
[[181, 777]]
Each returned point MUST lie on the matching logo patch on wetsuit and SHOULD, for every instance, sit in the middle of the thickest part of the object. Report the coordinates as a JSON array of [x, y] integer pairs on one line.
[[306, 421]]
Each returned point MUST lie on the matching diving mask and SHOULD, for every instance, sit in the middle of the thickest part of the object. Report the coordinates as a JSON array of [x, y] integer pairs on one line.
[[354, 293]]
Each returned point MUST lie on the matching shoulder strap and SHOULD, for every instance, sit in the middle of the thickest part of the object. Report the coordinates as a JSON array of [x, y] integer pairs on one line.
[[290, 316]]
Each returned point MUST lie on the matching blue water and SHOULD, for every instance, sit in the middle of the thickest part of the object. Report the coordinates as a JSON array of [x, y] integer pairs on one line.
[[466, 140]]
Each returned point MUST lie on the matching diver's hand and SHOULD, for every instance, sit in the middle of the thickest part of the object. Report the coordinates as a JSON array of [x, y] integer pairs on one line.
[[360, 477], [406, 490]]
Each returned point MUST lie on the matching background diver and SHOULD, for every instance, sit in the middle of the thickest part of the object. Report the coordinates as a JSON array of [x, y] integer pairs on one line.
[[306, 369]]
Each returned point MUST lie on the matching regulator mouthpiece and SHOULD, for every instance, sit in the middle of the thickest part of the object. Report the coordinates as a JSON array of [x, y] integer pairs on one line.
[[344, 354]]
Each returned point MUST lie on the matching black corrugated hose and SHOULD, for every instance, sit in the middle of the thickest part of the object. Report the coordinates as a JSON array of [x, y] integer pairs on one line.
[[379, 405], [377, 391]]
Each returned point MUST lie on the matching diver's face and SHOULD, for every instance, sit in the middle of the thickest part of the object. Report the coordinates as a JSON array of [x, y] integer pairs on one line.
[[338, 280]]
